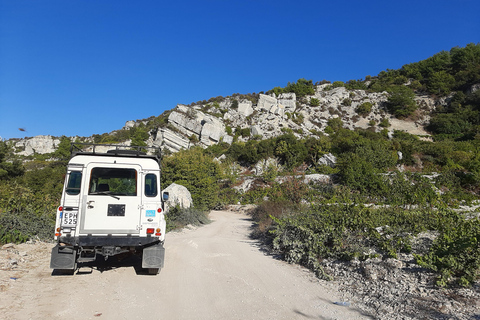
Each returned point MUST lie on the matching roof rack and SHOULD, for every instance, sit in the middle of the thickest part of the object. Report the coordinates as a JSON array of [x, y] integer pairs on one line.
[[116, 150]]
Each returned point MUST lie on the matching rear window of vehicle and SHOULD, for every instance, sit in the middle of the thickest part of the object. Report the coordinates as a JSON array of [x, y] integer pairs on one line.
[[74, 183], [113, 181], [151, 185]]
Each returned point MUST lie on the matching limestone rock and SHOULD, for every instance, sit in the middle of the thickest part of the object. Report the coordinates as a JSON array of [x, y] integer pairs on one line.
[[171, 140], [328, 160], [256, 130], [245, 108], [318, 178], [266, 102], [262, 165], [178, 195], [37, 144]]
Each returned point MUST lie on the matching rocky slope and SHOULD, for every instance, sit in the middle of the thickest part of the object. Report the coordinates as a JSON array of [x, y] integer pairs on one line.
[[260, 116]]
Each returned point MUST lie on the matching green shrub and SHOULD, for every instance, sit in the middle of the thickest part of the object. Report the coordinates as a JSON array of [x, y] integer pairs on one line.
[[364, 109], [314, 102], [195, 171], [401, 102], [455, 253], [180, 217]]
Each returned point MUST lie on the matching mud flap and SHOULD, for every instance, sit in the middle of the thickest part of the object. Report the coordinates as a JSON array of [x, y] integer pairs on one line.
[[63, 258], [153, 257]]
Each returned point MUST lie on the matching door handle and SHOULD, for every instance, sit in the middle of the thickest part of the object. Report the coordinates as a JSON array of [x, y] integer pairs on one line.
[[90, 204]]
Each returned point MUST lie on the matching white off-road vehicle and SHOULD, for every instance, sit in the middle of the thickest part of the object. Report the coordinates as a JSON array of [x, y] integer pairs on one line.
[[111, 204]]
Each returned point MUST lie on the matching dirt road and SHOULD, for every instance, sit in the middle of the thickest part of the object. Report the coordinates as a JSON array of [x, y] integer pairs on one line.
[[213, 272]]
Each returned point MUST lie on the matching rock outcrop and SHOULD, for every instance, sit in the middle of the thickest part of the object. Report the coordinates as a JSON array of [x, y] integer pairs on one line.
[[268, 116], [178, 196], [37, 145]]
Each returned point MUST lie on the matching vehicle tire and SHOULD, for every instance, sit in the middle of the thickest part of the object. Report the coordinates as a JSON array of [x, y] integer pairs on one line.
[[153, 270]]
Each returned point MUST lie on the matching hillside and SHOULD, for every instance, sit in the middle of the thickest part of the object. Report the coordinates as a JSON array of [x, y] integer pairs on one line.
[[436, 96]]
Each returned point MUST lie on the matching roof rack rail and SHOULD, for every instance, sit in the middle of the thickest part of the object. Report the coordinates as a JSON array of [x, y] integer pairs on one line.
[[116, 150]]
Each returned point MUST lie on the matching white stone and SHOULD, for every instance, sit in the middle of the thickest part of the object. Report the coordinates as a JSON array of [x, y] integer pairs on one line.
[[129, 124], [38, 144], [317, 178], [245, 108], [171, 140], [178, 195], [256, 130], [328, 160], [266, 102]]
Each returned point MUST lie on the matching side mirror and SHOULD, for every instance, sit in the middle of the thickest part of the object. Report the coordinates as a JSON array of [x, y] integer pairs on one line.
[[165, 196]]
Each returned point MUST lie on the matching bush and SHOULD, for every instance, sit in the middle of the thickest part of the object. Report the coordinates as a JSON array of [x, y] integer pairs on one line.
[[364, 109], [314, 102], [195, 171], [180, 217], [455, 253]]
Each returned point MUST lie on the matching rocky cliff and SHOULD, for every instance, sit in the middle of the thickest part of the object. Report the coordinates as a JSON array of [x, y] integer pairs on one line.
[[261, 117]]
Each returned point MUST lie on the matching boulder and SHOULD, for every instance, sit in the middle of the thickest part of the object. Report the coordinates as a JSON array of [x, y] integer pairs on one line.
[[288, 101], [318, 178], [328, 160], [266, 102], [245, 108], [178, 195], [264, 164], [256, 130]]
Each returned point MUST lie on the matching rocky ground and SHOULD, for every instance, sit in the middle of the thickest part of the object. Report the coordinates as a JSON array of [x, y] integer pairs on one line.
[[400, 289]]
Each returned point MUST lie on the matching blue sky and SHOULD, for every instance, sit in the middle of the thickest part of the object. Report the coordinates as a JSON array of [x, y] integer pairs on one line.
[[83, 67]]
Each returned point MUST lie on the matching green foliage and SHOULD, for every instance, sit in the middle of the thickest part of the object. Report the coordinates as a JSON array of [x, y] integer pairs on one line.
[[63, 149], [347, 102], [298, 119], [344, 232], [180, 217], [455, 253], [356, 85], [195, 171], [9, 166], [290, 150], [401, 102], [139, 135], [301, 88], [335, 123], [364, 109], [25, 214], [314, 102], [384, 123]]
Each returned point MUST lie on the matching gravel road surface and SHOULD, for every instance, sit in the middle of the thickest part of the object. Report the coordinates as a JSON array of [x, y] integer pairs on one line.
[[212, 272]]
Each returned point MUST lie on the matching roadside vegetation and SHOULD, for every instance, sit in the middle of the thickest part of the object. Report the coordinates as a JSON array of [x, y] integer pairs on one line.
[[382, 193]]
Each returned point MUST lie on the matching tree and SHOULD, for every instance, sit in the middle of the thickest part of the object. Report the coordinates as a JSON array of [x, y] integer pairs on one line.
[[401, 101]]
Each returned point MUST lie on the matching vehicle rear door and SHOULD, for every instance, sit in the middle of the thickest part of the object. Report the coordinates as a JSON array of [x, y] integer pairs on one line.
[[112, 200]]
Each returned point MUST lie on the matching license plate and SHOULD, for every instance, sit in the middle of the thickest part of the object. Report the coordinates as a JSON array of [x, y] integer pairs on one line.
[[69, 218]]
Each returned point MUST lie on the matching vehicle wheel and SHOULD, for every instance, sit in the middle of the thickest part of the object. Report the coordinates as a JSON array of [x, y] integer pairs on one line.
[[153, 270]]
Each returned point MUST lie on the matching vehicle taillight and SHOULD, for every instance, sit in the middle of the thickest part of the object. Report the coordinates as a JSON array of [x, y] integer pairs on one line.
[[159, 210], [150, 230], [60, 208], [158, 232]]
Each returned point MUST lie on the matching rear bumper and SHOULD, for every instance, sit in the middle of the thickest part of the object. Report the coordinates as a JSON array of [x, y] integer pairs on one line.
[[101, 241]]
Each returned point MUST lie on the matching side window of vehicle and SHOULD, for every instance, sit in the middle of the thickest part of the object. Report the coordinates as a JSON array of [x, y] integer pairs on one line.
[[151, 185], [74, 183]]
